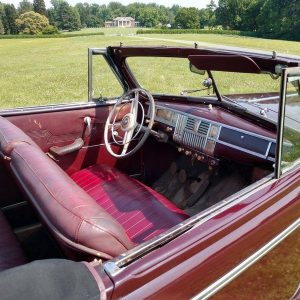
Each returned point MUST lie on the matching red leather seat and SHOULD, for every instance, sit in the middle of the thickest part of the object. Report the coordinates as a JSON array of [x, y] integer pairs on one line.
[[114, 214], [11, 135], [11, 254], [142, 212]]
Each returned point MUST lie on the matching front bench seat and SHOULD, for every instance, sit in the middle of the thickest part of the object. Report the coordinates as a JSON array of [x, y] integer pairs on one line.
[[118, 213], [10, 136], [141, 211]]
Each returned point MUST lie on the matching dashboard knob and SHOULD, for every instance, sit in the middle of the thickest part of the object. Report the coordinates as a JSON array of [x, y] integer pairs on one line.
[[188, 152], [180, 149]]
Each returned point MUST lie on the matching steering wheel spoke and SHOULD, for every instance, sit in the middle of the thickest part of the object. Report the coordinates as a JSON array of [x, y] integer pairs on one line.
[[129, 124]]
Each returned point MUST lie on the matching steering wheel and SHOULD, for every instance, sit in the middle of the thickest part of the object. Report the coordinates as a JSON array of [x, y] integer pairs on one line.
[[132, 123]]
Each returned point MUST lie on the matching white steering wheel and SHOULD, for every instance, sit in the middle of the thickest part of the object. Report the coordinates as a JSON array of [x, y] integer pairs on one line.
[[132, 125]]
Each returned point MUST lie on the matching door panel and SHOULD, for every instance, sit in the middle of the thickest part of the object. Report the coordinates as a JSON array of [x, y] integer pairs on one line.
[[61, 128]]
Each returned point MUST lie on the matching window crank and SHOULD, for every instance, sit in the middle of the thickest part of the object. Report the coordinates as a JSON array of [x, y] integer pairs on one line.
[[88, 121]]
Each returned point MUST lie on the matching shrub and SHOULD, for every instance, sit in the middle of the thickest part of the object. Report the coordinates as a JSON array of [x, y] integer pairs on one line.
[[197, 31], [50, 29]]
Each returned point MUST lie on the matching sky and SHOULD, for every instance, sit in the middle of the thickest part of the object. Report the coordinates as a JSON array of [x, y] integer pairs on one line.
[[185, 3]]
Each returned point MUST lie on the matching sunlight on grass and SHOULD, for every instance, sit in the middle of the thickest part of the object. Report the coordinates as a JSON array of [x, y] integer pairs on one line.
[[108, 31], [48, 71], [286, 47]]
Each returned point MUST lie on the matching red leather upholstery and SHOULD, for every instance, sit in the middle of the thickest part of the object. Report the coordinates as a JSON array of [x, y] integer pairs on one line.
[[74, 218], [10, 135], [11, 254], [111, 216], [142, 212]]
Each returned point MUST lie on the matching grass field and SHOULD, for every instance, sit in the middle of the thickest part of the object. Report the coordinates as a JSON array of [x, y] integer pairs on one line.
[[44, 71]]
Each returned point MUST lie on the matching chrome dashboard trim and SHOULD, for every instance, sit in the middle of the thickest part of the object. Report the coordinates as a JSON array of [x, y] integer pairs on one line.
[[180, 130], [221, 124], [268, 149], [245, 150]]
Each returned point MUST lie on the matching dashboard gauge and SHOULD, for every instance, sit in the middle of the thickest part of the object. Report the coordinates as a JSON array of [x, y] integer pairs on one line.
[[214, 131], [166, 115], [210, 147]]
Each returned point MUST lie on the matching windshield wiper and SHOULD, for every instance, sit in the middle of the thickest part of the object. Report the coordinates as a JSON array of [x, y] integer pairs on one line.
[[184, 92], [234, 102]]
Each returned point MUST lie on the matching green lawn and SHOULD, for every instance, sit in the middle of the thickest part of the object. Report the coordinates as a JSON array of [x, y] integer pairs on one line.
[[234, 40], [43, 71], [107, 31]]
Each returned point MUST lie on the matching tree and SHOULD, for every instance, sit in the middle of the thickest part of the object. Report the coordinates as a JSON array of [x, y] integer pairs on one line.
[[32, 23], [187, 18], [211, 17], [39, 7], [2, 31], [229, 13], [24, 6], [249, 15], [10, 15], [65, 16], [280, 19]]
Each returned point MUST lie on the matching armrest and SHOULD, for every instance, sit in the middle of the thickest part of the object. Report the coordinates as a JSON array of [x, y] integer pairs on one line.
[[61, 151]]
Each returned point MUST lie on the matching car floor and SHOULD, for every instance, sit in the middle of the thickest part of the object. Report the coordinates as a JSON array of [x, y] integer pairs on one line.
[[31, 234], [194, 186]]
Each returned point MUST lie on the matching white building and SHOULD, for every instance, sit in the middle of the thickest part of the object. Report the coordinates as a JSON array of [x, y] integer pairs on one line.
[[122, 22]]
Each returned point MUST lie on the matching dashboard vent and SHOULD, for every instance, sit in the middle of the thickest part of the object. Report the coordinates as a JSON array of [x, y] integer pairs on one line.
[[203, 127], [190, 124], [194, 141]]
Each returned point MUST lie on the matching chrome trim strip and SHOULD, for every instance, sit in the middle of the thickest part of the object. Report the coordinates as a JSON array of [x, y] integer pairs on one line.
[[268, 149], [54, 107], [220, 283], [280, 122], [243, 150], [99, 145]]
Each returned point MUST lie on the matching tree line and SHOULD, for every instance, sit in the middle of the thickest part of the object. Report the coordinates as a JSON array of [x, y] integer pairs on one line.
[[268, 18]]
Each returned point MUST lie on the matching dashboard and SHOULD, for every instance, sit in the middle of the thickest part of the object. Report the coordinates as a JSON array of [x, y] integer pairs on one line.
[[209, 133]]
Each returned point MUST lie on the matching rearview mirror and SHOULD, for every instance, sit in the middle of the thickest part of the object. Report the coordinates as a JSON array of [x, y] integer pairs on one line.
[[194, 69]]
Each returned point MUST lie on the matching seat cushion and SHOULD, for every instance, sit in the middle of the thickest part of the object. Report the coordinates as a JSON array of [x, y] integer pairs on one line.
[[10, 135], [11, 254], [141, 211]]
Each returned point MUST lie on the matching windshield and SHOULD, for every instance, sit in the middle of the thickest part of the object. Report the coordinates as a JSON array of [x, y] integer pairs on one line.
[[245, 86], [168, 75], [173, 76]]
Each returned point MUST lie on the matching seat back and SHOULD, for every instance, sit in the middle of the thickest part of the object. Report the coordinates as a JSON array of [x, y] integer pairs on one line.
[[75, 219], [11, 135]]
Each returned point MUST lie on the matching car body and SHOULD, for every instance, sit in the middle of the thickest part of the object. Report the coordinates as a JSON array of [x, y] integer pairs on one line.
[[240, 147]]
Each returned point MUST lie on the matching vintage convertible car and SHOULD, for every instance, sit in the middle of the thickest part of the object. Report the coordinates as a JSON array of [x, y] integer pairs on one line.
[[181, 171]]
